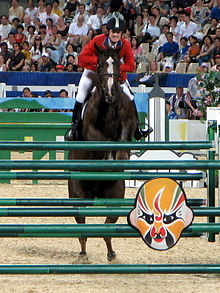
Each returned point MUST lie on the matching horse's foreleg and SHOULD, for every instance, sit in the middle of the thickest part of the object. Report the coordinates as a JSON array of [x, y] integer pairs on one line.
[[110, 252], [126, 135], [82, 240]]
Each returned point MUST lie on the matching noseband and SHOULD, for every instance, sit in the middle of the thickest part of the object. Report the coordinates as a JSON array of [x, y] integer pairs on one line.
[[109, 98]]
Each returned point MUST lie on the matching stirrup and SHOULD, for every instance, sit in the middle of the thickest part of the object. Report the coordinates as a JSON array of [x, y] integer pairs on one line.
[[140, 133]]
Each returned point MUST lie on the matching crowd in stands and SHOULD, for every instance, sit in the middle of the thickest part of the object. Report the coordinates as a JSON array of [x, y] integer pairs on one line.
[[166, 36], [46, 34]]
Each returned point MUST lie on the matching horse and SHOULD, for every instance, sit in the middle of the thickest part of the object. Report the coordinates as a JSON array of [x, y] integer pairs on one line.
[[109, 115]]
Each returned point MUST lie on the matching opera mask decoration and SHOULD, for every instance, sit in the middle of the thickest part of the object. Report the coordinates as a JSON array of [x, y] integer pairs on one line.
[[160, 213]]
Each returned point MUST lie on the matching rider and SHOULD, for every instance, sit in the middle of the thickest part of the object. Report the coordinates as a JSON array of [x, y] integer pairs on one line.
[[88, 59]]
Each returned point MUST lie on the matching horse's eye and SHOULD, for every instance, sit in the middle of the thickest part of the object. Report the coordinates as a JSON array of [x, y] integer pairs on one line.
[[168, 219]]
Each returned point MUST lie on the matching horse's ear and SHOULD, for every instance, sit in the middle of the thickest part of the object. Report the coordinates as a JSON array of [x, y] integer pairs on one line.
[[99, 50], [117, 50]]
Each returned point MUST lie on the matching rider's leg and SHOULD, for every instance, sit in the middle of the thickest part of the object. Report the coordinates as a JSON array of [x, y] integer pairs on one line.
[[85, 86], [139, 133]]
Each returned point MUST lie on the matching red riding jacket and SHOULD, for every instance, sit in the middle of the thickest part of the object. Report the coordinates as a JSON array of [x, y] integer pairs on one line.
[[88, 57]]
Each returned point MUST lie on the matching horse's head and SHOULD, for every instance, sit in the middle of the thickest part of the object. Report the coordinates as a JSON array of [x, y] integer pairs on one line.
[[109, 73]]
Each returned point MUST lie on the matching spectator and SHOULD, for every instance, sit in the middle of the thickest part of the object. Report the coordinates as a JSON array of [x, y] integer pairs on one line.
[[26, 68], [212, 30], [16, 11], [49, 25], [136, 49], [26, 93], [40, 8], [60, 68], [81, 11], [170, 48], [162, 38], [30, 35], [174, 28], [26, 51], [205, 52], [62, 28], [95, 21], [69, 50], [56, 9], [216, 49], [77, 32], [37, 24], [160, 21], [5, 27], [151, 31], [17, 59], [217, 63], [27, 22], [188, 28], [183, 48], [31, 10], [43, 33], [45, 63], [183, 3], [11, 40], [199, 12], [63, 94], [170, 114], [193, 94], [215, 12], [178, 103], [67, 16], [72, 5], [193, 50], [14, 25], [70, 67], [2, 63], [5, 52], [54, 46], [145, 14], [48, 94], [138, 26], [48, 14], [20, 36], [33, 67], [37, 50]]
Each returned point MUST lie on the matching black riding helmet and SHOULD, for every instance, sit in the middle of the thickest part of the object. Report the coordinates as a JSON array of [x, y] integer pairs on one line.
[[116, 24]]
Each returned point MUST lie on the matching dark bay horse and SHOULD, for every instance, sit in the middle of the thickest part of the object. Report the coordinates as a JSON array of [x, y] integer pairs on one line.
[[109, 115]]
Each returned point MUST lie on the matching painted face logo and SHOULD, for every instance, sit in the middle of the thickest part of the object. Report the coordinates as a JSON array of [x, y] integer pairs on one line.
[[160, 213]]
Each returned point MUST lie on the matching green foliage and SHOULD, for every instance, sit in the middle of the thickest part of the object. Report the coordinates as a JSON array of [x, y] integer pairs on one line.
[[209, 84]]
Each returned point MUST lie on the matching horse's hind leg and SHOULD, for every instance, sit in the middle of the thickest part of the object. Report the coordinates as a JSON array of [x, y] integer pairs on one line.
[[108, 240]]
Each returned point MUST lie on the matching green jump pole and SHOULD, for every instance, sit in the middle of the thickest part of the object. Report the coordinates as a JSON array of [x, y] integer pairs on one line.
[[94, 145], [211, 182], [92, 228], [109, 164], [97, 175], [80, 202], [86, 212], [112, 269]]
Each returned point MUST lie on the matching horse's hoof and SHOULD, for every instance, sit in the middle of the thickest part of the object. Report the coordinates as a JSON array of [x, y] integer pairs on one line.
[[111, 255], [82, 254]]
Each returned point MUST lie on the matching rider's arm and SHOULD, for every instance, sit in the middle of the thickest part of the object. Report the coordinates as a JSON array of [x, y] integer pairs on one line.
[[128, 58], [88, 56]]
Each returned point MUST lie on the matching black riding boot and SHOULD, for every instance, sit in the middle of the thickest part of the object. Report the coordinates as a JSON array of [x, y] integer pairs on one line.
[[72, 133], [139, 133]]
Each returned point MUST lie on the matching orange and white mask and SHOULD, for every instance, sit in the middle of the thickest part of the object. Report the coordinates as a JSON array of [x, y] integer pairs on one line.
[[161, 213]]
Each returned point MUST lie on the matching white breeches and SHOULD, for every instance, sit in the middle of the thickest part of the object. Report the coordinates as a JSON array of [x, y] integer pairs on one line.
[[86, 85]]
